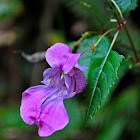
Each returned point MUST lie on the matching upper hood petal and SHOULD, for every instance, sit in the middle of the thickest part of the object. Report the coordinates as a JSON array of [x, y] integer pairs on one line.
[[61, 57]]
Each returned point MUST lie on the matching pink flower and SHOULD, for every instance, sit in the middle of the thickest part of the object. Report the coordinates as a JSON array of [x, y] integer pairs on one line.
[[43, 104]]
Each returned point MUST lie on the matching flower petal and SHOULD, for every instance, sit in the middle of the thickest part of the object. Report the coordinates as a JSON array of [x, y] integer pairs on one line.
[[32, 99], [81, 81], [60, 56], [48, 73], [70, 84], [82, 68], [51, 77], [53, 117]]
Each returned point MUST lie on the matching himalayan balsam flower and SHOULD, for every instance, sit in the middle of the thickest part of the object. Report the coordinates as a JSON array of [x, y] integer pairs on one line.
[[43, 104]]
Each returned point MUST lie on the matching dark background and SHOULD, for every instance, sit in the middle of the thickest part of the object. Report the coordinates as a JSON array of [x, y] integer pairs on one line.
[[32, 26]]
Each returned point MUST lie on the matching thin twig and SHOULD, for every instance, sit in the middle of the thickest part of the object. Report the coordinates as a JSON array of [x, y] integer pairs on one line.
[[126, 31], [132, 45], [85, 35], [118, 10], [114, 11], [103, 36]]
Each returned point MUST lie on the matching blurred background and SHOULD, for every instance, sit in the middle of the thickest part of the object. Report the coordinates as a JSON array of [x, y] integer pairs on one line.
[[32, 26]]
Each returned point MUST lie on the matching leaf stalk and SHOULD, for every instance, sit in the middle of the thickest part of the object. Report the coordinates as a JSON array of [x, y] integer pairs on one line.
[[132, 45], [85, 35], [121, 15], [127, 33], [103, 36]]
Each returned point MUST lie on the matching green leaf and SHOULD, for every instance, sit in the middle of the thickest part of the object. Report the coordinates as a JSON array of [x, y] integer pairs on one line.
[[102, 75], [123, 4], [85, 59], [126, 4], [133, 5]]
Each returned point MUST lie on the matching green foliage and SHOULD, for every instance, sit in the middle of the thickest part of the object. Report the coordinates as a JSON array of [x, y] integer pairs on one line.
[[123, 4], [102, 75], [126, 5], [85, 59], [111, 118], [9, 9], [133, 5]]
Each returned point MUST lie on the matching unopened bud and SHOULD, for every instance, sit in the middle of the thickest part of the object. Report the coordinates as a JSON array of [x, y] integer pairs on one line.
[[114, 20]]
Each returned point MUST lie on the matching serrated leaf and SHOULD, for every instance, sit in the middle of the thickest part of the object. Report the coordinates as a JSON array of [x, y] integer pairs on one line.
[[133, 4], [123, 4], [126, 4], [102, 75]]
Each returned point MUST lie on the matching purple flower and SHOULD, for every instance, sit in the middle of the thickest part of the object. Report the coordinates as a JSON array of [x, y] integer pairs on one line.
[[43, 104]]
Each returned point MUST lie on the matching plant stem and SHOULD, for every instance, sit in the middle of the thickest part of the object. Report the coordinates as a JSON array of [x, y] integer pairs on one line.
[[118, 9], [87, 51], [85, 35], [114, 11], [114, 39], [126, 31], [103, 36], [132, 45], [92, 48]]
